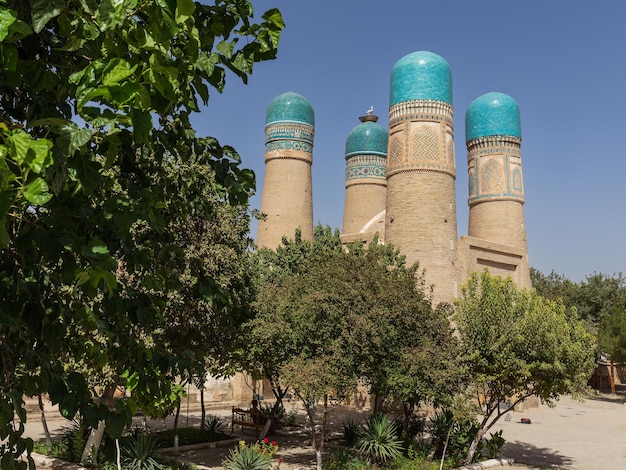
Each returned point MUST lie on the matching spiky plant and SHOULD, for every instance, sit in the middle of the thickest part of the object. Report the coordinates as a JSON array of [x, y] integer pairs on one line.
[[246, 458], [380, 441], [140, 452]]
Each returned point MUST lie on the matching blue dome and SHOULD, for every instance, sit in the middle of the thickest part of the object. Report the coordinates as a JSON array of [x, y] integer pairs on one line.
[[492, 114], [290, 107], [421, 75], [367, 137]]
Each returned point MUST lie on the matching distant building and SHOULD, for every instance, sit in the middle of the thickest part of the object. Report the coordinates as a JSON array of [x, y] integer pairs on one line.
[[400, 182]]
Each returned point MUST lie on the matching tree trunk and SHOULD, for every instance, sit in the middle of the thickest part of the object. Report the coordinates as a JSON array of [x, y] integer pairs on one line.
[[318, 459], [445, 446], [118, 454], [612, 375], [202, 408], [43, 421], [408, 411], [176, 426], [266, 428], [316, 440], [95, 438], [472, 448]]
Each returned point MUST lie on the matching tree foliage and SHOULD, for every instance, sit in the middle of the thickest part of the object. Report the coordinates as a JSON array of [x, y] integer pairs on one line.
[[101, 176], [594, 298], [329, 318], [612, 336], [516, 344]]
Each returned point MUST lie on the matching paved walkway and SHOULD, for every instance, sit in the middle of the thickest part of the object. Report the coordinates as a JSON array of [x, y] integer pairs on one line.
[[589, 435]]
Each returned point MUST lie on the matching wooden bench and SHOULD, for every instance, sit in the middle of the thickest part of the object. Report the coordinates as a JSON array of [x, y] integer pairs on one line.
[[247, 419]]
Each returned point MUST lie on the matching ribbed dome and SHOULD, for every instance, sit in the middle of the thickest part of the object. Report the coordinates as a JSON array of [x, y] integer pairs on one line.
[[290, 107], [492, 114], [421, 75], [367, 137]]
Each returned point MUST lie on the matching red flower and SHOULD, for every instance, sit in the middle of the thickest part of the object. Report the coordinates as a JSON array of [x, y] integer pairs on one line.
[[280, 460], [274, 443], [266, 440]]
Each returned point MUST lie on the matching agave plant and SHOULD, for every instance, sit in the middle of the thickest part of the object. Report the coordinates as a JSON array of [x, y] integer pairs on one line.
[[213, 424], [246, 458], [380, 441], [140, 452]]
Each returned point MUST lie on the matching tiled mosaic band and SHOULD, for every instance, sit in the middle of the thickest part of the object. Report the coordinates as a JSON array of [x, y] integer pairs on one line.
[[495, 169], [421, 137], [289, 140], [366, 169]]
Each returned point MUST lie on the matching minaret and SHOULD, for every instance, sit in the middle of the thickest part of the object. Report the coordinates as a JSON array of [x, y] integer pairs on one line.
[[496, 187], [287, 200], [421, 207], [366, 181]]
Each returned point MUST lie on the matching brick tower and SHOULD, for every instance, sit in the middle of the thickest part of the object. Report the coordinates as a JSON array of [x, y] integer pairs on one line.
[[366, 181], [496, 188], [421, 170], [287, 199]]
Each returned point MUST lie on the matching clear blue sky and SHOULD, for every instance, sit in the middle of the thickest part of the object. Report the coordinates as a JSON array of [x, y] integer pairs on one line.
[[564, 62]]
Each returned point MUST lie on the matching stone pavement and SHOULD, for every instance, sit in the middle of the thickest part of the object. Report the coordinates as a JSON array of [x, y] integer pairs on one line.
[[589, 435]]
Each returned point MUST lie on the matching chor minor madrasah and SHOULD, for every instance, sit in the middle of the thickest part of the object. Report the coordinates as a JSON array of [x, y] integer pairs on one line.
[[400, 182]]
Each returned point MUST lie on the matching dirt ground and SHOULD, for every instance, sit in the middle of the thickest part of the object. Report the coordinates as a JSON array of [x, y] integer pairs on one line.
[[589, 435]]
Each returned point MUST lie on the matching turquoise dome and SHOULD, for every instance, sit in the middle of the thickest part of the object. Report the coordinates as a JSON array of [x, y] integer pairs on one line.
[[492, 114], [367, 137], [290, 107], [421, 75]]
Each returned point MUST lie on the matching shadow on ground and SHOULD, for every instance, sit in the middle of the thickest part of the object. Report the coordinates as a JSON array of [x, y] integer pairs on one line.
[[529, 454]]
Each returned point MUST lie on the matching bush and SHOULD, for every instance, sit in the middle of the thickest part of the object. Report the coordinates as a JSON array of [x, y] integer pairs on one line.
[[292, 416], [459, 434], [493, 446], [71, 444]]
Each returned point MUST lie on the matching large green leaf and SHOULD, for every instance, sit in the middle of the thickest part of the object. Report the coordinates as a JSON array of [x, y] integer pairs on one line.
[[72, 138], [184, 10], [116, 71], [111, 13], [142, 125], [43, 11], [33, 152], [7, 18], [37, 192], [167, 11]]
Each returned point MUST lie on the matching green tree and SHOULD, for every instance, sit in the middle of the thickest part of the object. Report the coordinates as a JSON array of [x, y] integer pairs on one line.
[[329, 318], [592, 299], [516, 344], [553, 286], [598, 296], [404, 350], [612, 340], [95, 99], [612, 336]]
